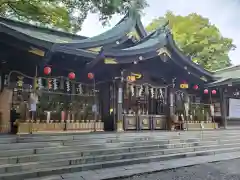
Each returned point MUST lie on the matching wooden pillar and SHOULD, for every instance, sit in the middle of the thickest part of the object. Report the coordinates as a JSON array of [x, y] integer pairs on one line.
[[120, 102], [170, 106], [223, 105], [186, 105], [104, 99]]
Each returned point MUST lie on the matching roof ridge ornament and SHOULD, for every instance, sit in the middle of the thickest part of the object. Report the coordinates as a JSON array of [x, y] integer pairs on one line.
[[163, 29], [134, 8]]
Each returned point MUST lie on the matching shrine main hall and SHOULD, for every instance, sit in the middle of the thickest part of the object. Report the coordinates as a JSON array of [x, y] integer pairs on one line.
[[57, 81]]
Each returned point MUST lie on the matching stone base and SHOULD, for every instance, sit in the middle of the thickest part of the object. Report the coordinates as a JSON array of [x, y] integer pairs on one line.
[[201, 126], [29, 127], [120, 127]]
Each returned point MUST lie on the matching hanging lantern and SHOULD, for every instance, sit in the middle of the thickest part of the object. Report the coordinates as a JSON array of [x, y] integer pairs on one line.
[[47, 70], [205, 91], [71, 75], [214, 91], [195, 87], [90, 75], [184, 85]]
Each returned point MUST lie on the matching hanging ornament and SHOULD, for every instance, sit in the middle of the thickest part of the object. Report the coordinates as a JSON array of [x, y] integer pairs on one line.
[[55, 85], [68, 86], [140, 91], [20, 81], [39, 81], [132, 90], [214, 91], [195, 87], [6, 80], [90, 75], [80, 89], [152, 92], [205, 91], [161, 96], [236, 92], [71, 75], [49, 83], [47, 70]]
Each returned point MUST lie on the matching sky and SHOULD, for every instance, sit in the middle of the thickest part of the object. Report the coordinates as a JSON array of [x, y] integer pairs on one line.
[[223, 13]]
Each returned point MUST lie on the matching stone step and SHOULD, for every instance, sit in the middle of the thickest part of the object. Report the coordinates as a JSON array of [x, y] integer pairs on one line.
[[103, 158], [61, 137], [59, 148], [79, 151], [31, 171], [29, 145], [68, 140], [96, 152], [48, 150]]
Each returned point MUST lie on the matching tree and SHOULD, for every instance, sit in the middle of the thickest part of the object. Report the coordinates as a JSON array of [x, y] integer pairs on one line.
[[198, 39], [65, 14]]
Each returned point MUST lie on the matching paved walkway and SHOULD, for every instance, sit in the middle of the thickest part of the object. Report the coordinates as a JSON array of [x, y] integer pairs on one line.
[[224, 170], [133, 170]]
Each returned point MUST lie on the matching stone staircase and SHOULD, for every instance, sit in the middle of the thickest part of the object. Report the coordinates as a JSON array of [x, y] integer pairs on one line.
[[35, 156]]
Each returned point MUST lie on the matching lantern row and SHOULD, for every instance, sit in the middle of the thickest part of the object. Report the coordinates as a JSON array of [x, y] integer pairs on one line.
[[47, 71], [206, 91], [196, 87]]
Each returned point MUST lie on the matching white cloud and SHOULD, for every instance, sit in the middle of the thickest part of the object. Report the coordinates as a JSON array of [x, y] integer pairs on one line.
[[223, 13]]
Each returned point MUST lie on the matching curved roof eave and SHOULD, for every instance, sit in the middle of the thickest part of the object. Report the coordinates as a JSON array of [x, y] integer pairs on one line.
[[38, 36], [110, 36], [21, 36], [149, 44], [22, 26], [185, 59], [147, 48]]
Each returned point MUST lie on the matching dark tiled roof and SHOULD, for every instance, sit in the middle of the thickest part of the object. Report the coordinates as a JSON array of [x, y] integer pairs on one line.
[[40, 33]]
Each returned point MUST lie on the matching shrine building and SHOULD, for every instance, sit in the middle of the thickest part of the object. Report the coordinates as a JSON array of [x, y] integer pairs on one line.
[[58, 81]]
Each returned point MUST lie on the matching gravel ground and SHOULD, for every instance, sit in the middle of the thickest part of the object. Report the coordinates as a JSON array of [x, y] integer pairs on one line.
[[225, 170]]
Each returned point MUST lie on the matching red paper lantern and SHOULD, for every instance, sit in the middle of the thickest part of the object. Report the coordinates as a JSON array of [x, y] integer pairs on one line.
[[205, 91], [47, 70], [71, 75], [195, 87], [214, 91], [90, 75]]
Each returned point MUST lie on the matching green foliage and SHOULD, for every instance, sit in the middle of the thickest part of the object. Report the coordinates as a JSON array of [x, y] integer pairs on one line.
[[198, 39], [65, 14]]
